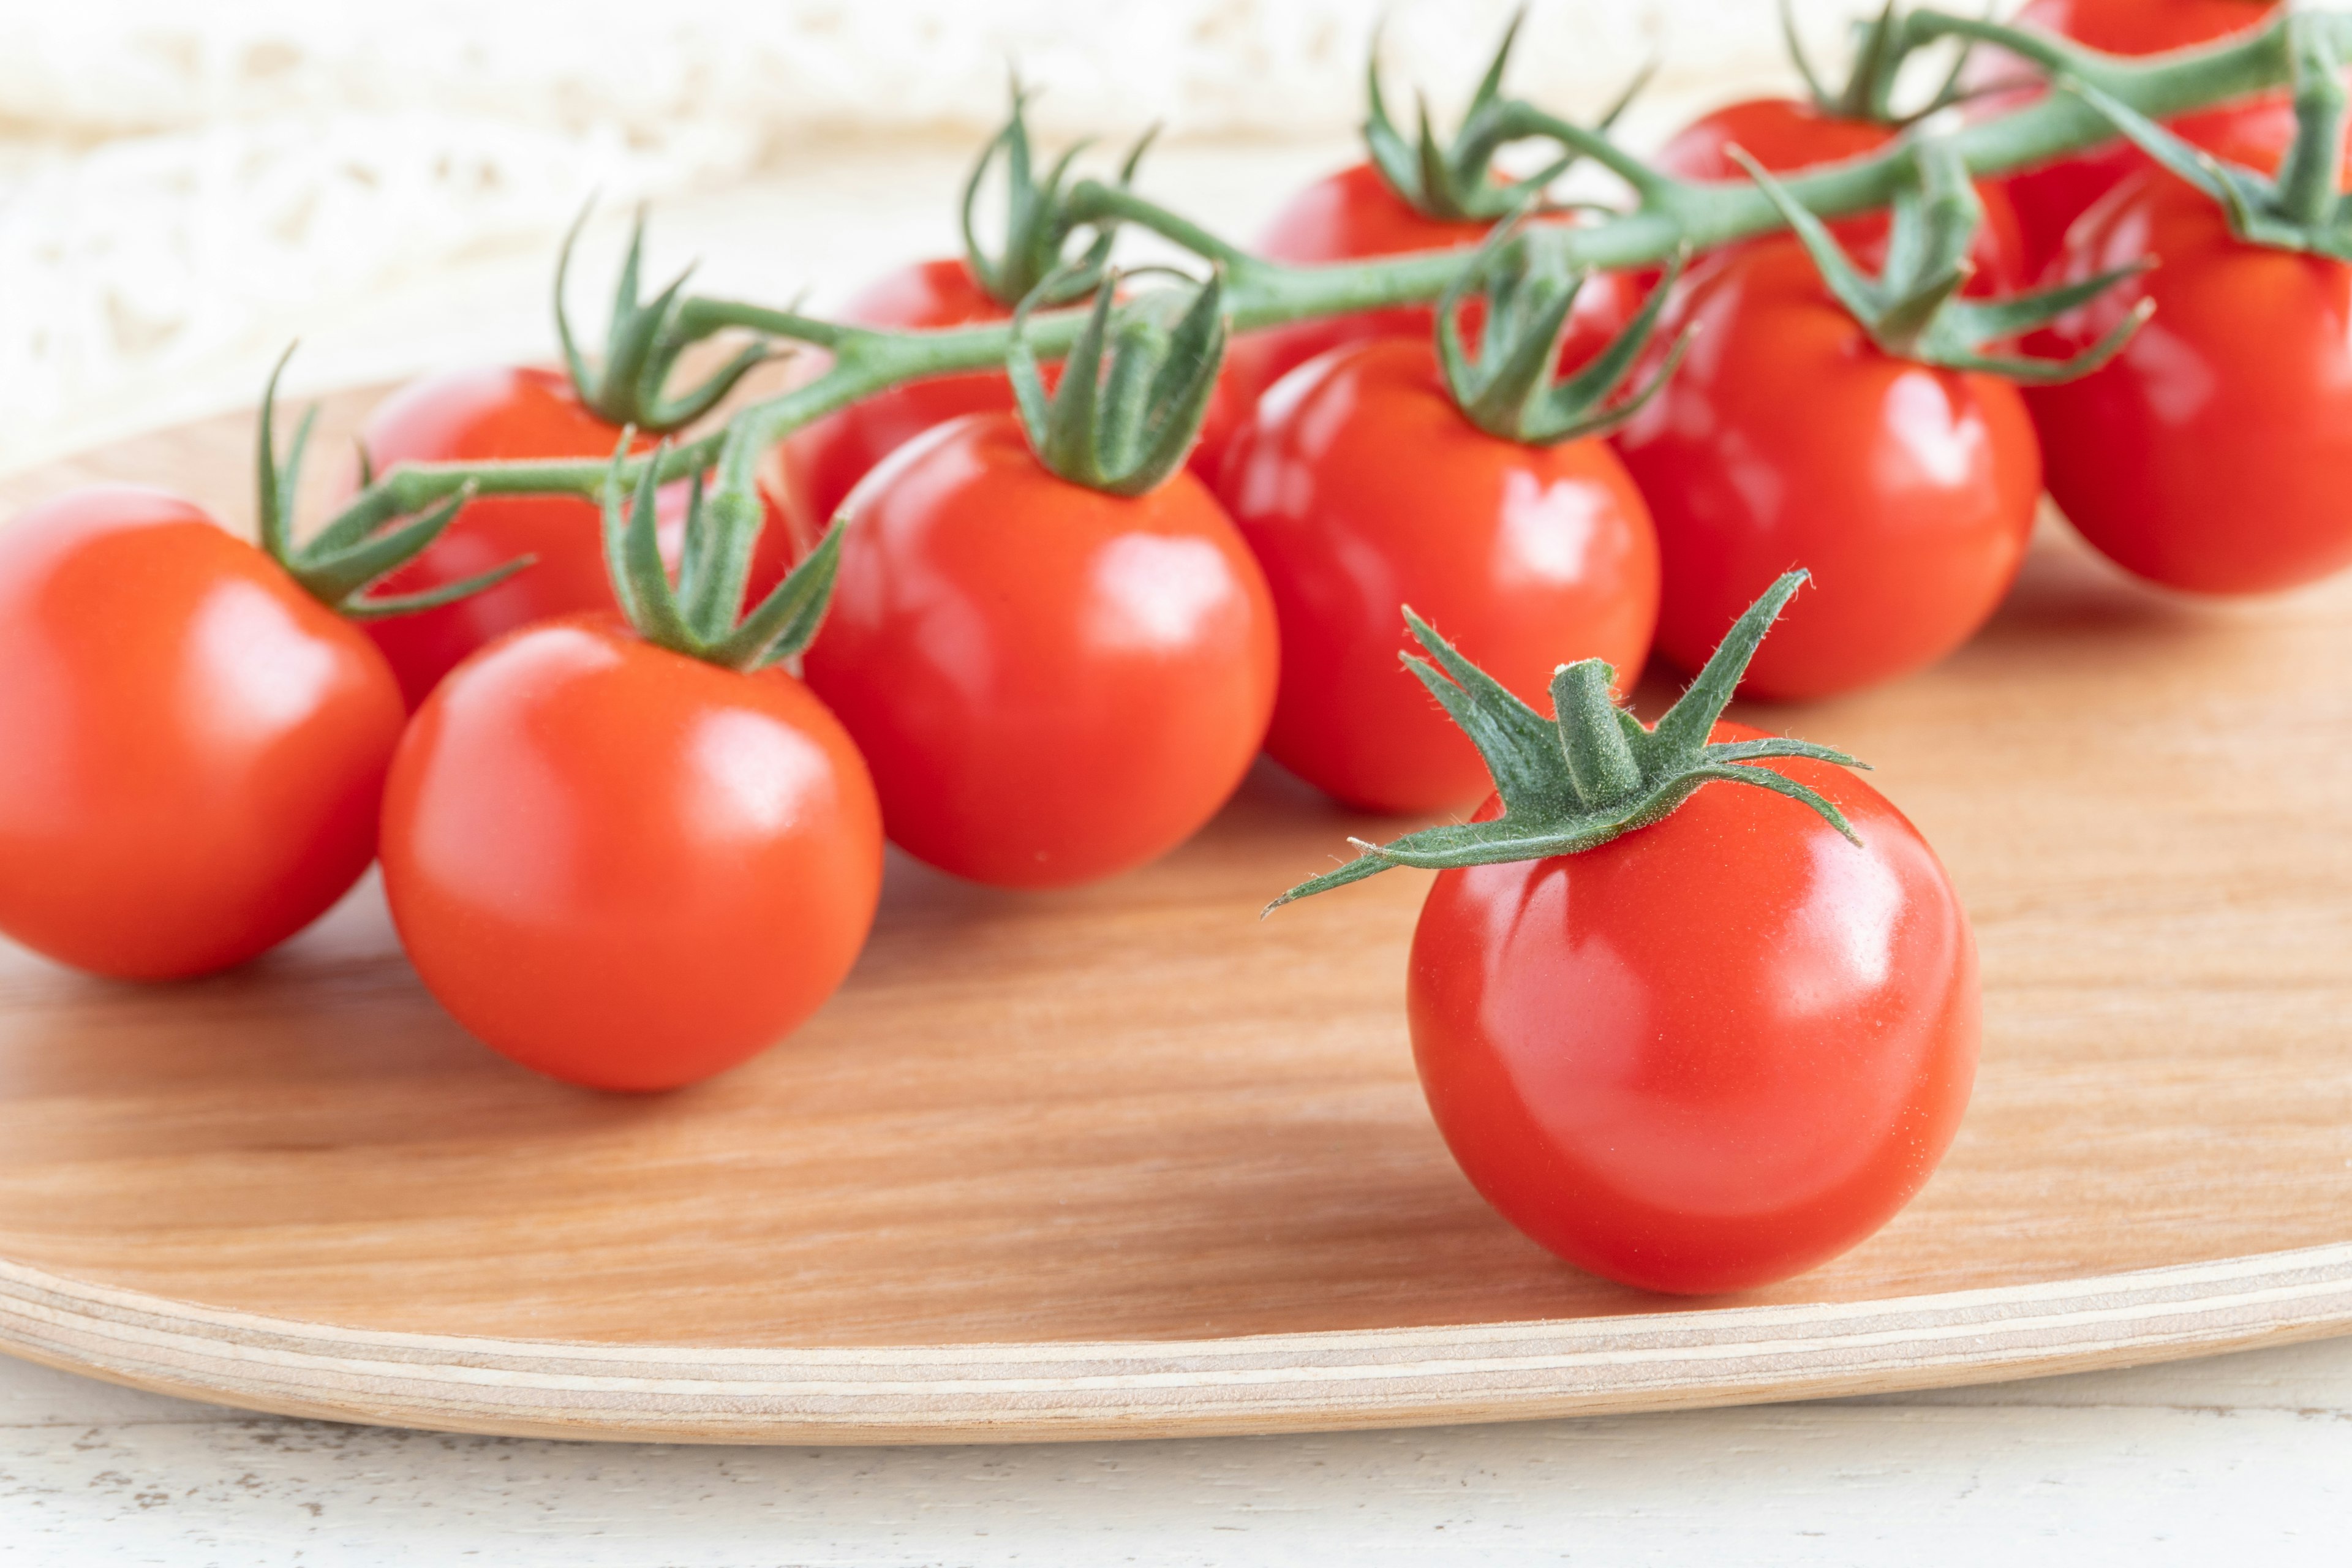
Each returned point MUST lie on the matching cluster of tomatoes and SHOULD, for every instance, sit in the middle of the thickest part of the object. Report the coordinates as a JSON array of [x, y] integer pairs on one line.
[[630, 862]]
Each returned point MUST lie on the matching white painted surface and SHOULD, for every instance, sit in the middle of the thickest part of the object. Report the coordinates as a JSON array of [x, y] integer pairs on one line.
[[2243, 1459]]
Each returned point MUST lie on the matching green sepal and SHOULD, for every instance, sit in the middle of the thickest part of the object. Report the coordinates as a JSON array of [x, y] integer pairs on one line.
[[1134, 388], [366, 541], [1510, 391], [1913, 309], [1455, 182], [1594, 773], [2302, 209], [1881, 46], [699, 615], [642, 345], [1037, 225]]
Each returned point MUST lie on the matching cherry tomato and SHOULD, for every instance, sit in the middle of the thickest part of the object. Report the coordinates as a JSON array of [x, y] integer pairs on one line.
[[1785, 134], [191, 748], [1349, 217], [1050, 684], [2049, 199], [2209, 455], [824, 460], [1787, 438], [622, 866], [1361, 488], [1713, 1052], [475, 416]]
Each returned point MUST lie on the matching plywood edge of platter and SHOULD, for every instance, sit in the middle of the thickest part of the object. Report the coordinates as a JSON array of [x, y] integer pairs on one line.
[[1072, 1390]]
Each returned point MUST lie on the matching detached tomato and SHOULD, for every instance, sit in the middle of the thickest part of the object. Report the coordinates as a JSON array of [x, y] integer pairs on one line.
[[1711, 1053], [1349, 216], [1052, 684], [1788, 438], [1784, 134], [191, 748], [2049, 199], [1361, 486], [2210, 455], [824, 460], [500, 412], [621, 866]]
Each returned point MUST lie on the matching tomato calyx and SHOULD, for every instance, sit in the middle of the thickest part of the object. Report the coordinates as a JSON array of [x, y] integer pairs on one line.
[[1456, 183], [1530, 289], [1882, 44], [1037, 221], [642, 344], [700, 615], [1913, 309], [360, 545], [2303, 207], [1133, 390], [1576, 782]]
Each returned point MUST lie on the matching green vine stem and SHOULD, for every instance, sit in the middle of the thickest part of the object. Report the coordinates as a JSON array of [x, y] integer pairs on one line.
[[1668, 216]]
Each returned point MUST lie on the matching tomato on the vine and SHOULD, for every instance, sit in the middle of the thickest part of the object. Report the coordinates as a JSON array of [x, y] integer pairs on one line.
[[1360, 486], [1693, 1007], [2210, 454], [2048, 198], [191, 746], [822, 462], [494, 414], [1789, 437], [1051, 683]]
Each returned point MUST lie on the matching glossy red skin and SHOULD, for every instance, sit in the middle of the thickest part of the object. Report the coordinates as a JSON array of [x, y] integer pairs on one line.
[[1361, 487], [499, 413], [624, 868], [1349, 217], [824, 460], [1788, 439], [1785, 134], [191, 748], [1710, 1054], [2210, 455], [2050, 198], [1052, 685]]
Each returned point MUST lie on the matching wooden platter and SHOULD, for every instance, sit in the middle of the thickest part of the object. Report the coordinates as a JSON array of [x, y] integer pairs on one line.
[[1126, 1161]]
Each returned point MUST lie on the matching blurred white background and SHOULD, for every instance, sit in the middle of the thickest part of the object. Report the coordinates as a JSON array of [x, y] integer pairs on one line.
[[184, 184]]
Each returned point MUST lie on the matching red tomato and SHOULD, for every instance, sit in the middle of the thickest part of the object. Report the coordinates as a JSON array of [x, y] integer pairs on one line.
[[1361, 488], [191, 748], [624, 867], [824, 460], [1787, 438], [2048, 198], [1050, 684], [1712, 1053], [476, 415], [1784, 134], [1349, 217], [2210, 454]]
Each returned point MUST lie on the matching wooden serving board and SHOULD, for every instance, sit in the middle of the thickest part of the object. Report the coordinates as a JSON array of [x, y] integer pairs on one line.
[[1126, 1161]]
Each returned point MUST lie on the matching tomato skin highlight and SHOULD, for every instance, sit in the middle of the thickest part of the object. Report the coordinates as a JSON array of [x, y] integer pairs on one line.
[[1361, 487], [1712, 1053], [1052, 685], [502, 413], [191, 748], [1787, 438], [824, 460], [1786, 134], [624, 868], [2209, 455]]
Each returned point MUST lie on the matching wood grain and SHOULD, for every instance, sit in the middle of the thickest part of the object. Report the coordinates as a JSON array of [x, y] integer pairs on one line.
[[1126, 1161]]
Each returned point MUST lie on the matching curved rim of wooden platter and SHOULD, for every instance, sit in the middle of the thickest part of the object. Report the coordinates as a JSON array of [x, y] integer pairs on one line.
[[1074, 1390]]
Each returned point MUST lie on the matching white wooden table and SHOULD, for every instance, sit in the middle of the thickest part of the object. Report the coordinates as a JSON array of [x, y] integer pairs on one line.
[[2244, 1458]]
